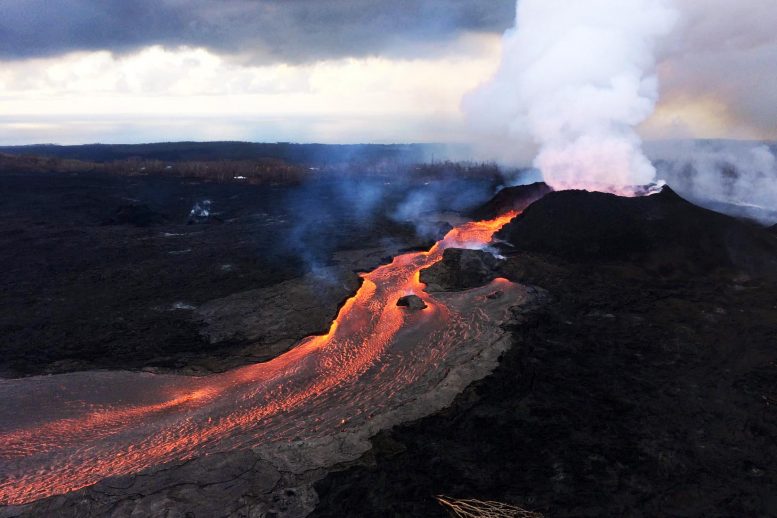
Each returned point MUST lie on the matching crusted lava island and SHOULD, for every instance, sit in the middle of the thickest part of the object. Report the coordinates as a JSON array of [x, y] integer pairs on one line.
[[180, 346]]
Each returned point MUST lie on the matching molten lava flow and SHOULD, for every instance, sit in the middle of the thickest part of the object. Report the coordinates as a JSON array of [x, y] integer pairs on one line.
[[82, 427]]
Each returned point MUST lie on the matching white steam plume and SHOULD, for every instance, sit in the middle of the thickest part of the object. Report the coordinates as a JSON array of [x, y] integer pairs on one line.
[[576, 78]]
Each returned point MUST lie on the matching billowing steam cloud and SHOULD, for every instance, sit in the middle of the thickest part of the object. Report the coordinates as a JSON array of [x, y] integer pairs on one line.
[[576, 78]]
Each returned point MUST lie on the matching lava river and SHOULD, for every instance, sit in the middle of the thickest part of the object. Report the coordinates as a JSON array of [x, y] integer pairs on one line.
[[64, 432]]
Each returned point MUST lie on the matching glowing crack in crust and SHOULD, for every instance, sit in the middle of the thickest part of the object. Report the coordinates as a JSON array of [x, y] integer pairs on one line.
[[77, 429]]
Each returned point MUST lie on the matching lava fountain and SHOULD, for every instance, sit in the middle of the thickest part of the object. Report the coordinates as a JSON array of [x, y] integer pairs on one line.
[[65, 432]]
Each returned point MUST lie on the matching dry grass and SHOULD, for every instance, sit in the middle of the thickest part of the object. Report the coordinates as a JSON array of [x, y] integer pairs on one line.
[[483, 509]]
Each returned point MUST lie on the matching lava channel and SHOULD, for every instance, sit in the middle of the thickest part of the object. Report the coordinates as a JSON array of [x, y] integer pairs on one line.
[[65, 432]]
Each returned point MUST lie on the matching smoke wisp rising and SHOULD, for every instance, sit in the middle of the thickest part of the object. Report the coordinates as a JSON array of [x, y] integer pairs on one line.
[[738, 178], [575, 79]]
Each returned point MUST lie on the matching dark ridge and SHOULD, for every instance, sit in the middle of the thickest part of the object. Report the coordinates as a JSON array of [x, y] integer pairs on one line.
[[663, 233], [757, 214], [510, 198]]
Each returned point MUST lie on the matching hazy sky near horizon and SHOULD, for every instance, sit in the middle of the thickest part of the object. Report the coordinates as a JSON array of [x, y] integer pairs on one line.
[[332, 71]]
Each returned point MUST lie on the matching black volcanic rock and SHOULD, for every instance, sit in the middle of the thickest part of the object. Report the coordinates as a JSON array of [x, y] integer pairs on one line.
[[627, 379], [631, 392], [625, 395], [460, 269], [662, 232], [138, 215], [94, 282], [773, 229], [511, 198], [413, 302]]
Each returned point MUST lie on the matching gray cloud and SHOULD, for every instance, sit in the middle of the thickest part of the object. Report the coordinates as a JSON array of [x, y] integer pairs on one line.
[[727, 52], [263, 30]]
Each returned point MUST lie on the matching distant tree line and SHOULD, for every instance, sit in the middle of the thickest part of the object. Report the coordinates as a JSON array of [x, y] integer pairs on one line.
[[253, 171], [299, 154]]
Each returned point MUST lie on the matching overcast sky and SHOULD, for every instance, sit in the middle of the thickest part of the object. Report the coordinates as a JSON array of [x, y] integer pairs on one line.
[[76, 71]]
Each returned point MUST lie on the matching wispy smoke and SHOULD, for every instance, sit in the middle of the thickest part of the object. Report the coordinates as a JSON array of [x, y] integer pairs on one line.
[[576, 78], [339, 210], [739, 178]]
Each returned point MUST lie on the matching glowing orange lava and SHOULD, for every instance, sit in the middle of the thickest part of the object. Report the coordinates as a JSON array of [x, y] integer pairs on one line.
[[65, 432]]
